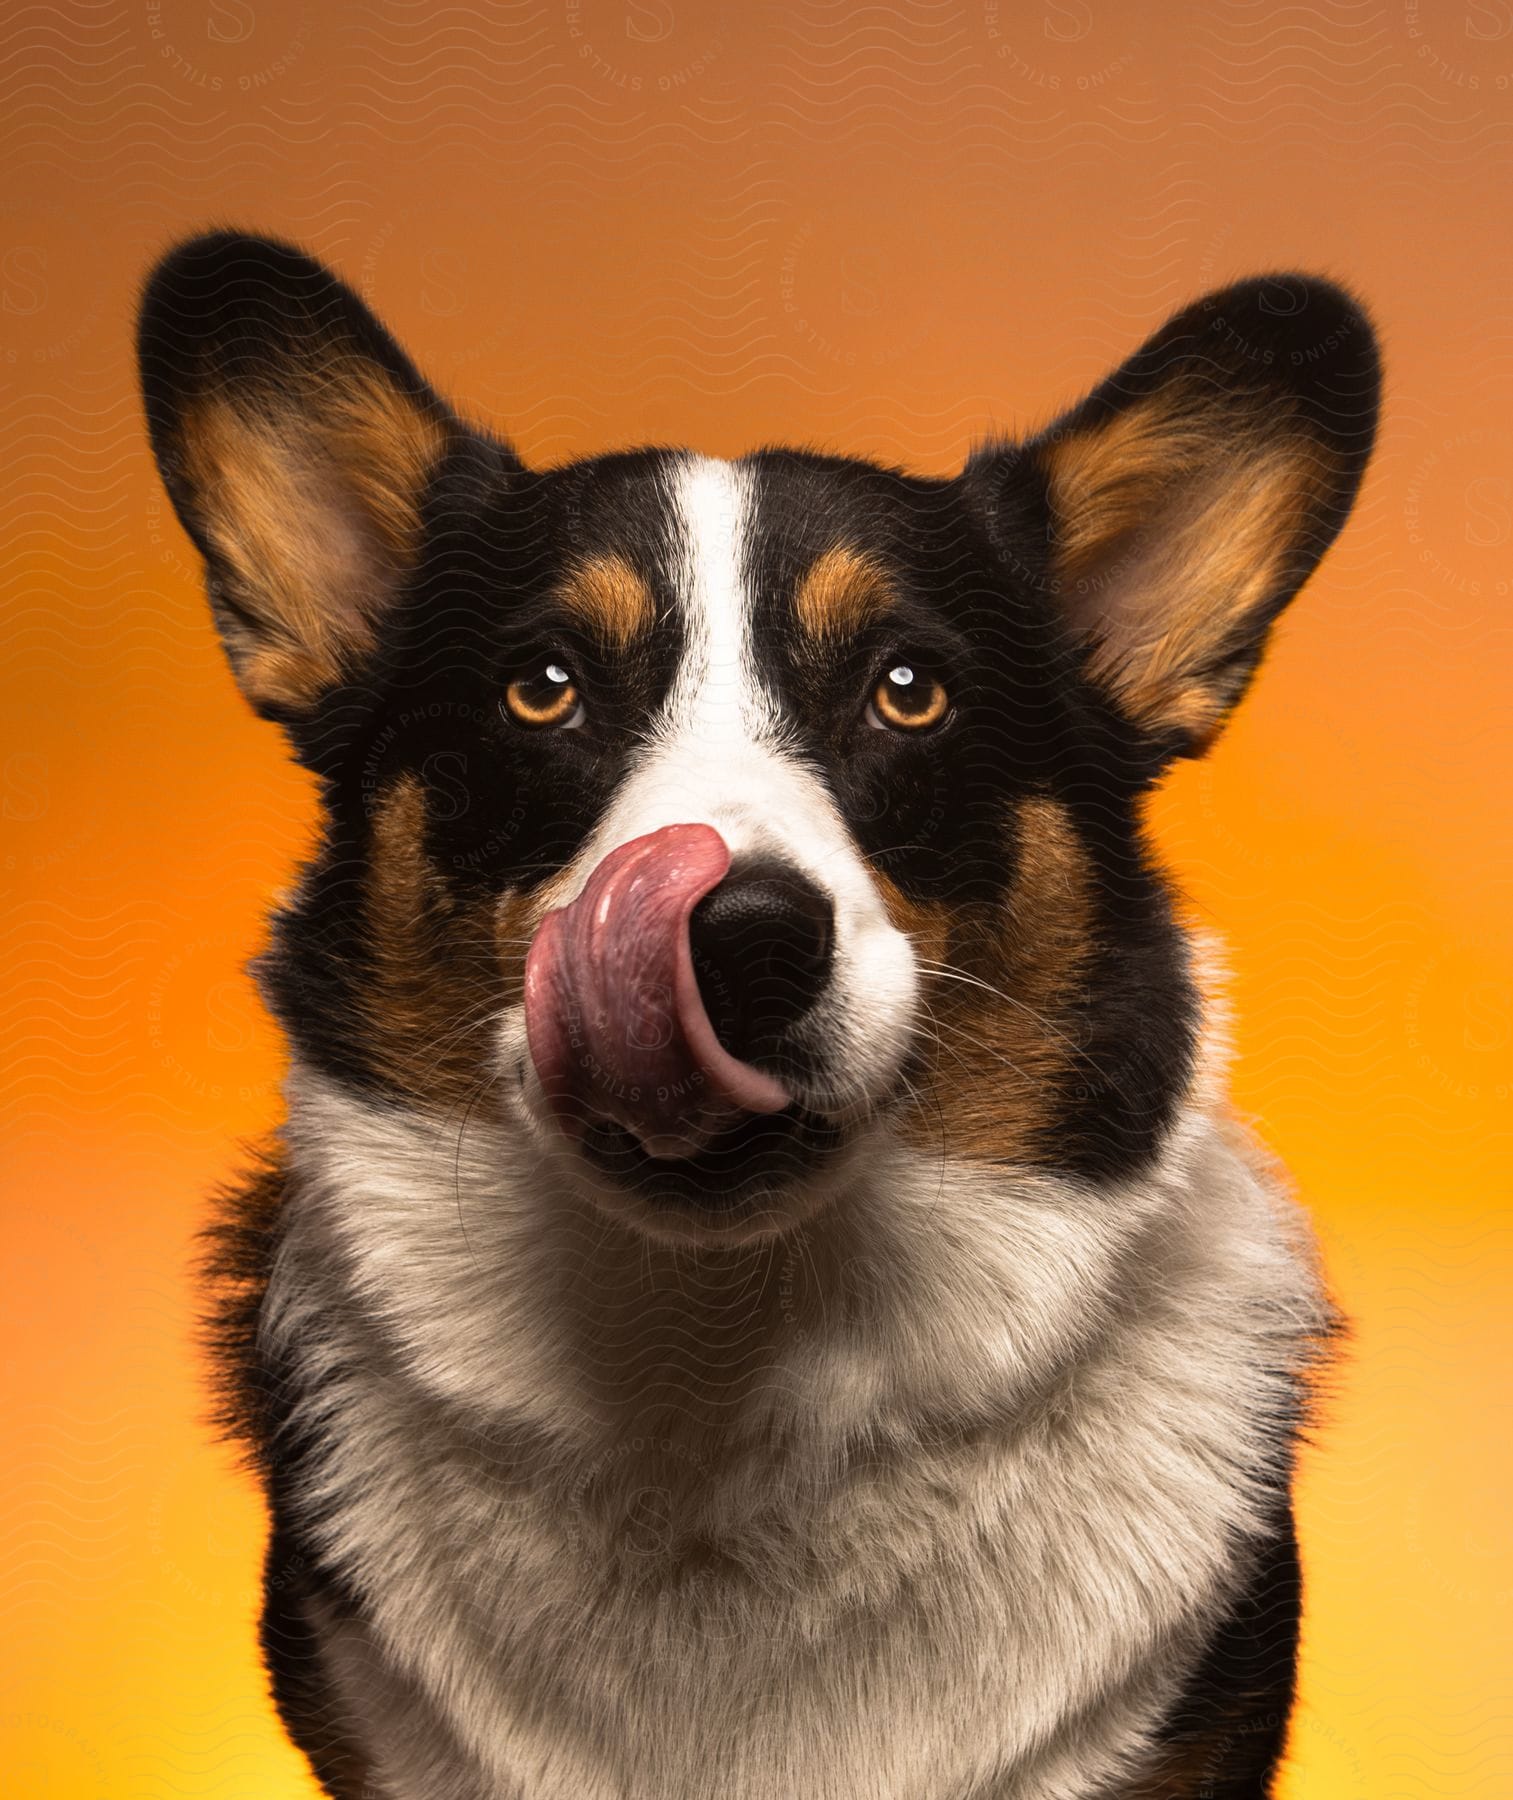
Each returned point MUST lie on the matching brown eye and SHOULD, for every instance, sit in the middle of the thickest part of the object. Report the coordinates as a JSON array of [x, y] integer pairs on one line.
[[906, 700], [546, 699]]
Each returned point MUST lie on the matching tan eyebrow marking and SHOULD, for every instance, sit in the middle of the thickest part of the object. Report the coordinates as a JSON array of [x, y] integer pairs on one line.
[[610, 598], [842, 591]]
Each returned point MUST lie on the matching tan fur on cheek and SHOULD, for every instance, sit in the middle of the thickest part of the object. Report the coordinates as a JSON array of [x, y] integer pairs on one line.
[[436, 985], [515, 919], [843, 591], [926, 924], [997, 1022]]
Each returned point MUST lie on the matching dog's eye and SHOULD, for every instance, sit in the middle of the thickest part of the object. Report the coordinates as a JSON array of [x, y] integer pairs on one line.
[[906, 700], [545, 699]]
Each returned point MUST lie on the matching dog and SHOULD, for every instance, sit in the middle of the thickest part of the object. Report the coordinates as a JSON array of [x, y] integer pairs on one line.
[[759, 1292]]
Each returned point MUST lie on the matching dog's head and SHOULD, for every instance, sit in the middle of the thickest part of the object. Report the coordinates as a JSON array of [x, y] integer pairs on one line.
[[706, 818]]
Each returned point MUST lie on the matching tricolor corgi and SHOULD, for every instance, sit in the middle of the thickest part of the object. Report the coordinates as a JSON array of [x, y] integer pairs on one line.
[[759, 1294]]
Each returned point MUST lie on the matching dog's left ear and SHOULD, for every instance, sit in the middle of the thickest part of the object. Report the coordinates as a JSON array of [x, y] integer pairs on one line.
[[1189, 497]]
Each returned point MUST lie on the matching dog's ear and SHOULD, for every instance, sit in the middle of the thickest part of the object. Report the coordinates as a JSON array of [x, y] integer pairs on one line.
[[1189, 497], [296, 442]]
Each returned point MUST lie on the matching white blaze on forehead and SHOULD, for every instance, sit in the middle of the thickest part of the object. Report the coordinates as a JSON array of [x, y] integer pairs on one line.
[[717, 696]]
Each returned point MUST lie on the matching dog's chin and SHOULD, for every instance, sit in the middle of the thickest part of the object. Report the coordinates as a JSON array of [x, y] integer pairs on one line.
[[753, 1181]]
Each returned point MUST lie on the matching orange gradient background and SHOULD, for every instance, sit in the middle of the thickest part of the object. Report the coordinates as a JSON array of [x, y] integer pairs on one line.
[[884, 228]]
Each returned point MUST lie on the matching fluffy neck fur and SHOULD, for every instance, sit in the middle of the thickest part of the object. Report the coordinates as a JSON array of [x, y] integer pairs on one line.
[[926, 1499]]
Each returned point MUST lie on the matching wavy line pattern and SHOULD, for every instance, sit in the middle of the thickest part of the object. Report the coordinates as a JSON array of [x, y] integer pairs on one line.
[[889, 227]]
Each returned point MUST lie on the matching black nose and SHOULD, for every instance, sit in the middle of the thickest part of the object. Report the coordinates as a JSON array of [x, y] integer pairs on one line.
[[761, 950]]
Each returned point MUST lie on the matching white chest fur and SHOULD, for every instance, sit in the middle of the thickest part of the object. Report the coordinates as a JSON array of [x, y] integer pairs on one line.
[[923, 1504]]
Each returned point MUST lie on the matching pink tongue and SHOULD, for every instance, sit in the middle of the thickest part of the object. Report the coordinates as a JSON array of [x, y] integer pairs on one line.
[[616, 1027]]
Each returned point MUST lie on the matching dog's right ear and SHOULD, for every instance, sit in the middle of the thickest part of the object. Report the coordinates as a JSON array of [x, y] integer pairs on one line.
[[296, 441]]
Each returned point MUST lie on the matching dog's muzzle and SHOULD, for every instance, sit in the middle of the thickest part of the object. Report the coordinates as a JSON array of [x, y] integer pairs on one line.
[[663, 998]]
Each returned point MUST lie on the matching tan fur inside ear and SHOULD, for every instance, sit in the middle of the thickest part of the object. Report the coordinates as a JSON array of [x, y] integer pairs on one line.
[[1174, 528], [313, 507]]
